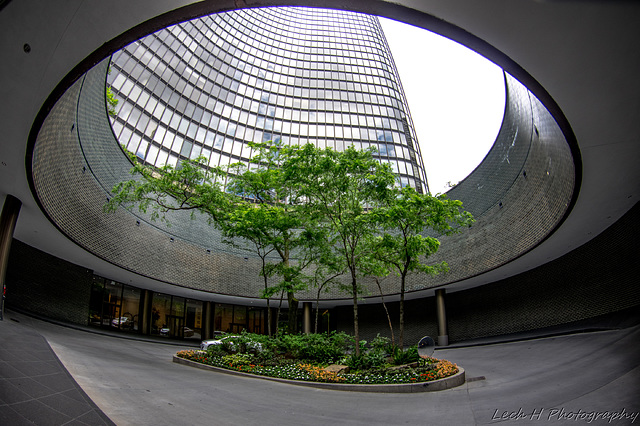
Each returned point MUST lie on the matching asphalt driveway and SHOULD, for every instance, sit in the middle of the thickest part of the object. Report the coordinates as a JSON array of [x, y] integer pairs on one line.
[[584, 378]]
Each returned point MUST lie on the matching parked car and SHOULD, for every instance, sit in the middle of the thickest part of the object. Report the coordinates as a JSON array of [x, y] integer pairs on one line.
[[122, 322], [205, 344], [187, 332]]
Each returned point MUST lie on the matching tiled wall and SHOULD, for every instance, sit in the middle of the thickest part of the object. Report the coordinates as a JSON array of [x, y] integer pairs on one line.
[[46, 285], [518, 195], [598, 278]]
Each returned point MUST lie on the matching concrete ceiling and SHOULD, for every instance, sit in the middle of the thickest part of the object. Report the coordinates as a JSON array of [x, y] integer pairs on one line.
[[580, 58]]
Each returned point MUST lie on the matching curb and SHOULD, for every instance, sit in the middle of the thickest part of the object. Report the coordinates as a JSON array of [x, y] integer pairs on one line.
[[432, 386]]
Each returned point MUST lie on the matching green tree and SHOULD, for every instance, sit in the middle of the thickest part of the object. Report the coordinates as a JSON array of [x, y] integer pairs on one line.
[[244, 219], [157, 191], [328, 265], [257, 205], [112, 102], [403, 246], [340, 188], [275, 213], [341, 211]]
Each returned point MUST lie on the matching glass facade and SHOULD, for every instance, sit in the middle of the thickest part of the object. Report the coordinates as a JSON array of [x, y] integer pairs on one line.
[[176, 317], [118, 306], [114, 305], [208, 86], [235, 319]]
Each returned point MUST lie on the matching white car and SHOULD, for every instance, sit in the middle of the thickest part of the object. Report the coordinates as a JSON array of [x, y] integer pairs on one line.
[[187, 332], [204, 345], [121, 322]]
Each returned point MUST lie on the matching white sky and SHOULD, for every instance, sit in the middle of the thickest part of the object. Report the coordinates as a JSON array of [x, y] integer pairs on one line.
[[456, 98]]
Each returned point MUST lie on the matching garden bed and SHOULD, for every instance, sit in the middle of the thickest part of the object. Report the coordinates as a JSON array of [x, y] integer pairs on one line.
[[423, 376]]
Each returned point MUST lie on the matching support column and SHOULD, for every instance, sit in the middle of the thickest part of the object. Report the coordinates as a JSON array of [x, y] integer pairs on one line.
[[8, 219], [206, 332], [147, 303], [443, 335], [306, 321]]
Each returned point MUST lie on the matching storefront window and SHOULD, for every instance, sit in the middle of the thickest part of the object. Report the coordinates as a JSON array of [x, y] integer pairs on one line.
[[255, 320], [194, 320], [239, 319], [234, 319], [95, 302], [174, 323], [130, 309], [117, 306], [223, 318], [114, 305], [111, 305], [160, 314]]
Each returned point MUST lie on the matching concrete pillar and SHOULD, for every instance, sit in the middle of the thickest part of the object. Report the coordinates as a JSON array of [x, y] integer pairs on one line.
[[443, 335], [147, 304], [206, 330], [306, 317], [8, 219]]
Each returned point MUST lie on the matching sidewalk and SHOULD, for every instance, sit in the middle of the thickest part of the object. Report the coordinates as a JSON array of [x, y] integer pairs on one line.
[[34, 385]]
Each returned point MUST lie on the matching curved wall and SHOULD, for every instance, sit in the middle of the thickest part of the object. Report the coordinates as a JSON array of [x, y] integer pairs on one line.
[[575, 288], [518, 195]]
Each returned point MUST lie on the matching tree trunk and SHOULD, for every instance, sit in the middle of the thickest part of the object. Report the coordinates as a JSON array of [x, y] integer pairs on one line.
[[401, 337], [315, 329], [356, 332], [278, 313], [384, 305], [293, 312], [266, 286], [268, 319]]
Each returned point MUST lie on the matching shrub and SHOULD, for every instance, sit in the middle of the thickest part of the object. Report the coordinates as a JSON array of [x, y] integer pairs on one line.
[[382, 344], [324, 348], [431, 369], [315, 348], [370, 360], [267, 357], [405, 357], [237, 360], [321, 348], [376, 360], [355, 362], [217, 350], [290, 345]]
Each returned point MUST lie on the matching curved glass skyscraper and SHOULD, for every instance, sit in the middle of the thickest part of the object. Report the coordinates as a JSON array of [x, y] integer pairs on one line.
[[297, 75]]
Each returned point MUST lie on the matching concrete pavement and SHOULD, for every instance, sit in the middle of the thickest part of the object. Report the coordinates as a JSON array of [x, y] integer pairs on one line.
[[585, 378]]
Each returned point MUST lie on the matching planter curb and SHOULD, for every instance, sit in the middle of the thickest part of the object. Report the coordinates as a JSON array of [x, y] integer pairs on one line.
[[432, 386]]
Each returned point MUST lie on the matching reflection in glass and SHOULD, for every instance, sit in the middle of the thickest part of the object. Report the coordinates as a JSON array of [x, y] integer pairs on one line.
[[114, 305], [309, 67]]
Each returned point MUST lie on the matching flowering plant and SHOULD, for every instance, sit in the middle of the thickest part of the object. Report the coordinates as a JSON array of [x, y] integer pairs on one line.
[[433, 369]]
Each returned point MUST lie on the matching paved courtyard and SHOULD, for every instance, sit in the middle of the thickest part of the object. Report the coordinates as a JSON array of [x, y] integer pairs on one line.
[[581, 378]]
